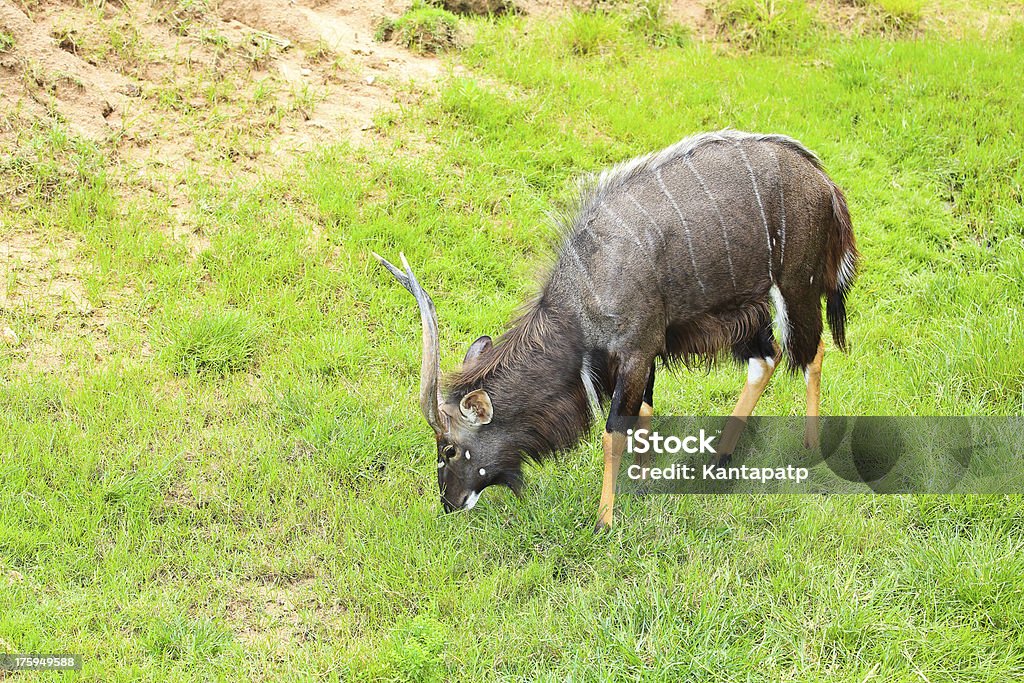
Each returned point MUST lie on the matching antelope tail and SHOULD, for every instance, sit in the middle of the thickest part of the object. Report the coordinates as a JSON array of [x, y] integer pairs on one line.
[[840, 266]]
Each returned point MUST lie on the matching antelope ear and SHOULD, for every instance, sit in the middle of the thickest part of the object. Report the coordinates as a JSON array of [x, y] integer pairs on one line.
[[476, 348], [476, 408]]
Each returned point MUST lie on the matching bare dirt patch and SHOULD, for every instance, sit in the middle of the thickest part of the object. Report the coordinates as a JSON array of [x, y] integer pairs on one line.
[[280, 614], [219, 90], [320, 30], [43, 298], [692, 13], [39, 77], [100, 69]]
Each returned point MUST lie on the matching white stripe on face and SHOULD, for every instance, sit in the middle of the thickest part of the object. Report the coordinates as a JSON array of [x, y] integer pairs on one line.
[[471, 501]]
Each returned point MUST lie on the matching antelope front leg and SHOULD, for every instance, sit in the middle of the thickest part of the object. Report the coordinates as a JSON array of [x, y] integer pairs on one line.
[[614, 443], [627, 397], [812, 375], [646, 413]]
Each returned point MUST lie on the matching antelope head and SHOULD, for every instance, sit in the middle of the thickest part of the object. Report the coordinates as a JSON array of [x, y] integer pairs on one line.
[[471, 452]]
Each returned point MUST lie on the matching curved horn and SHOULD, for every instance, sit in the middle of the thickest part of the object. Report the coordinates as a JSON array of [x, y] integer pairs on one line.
[[430, 368]]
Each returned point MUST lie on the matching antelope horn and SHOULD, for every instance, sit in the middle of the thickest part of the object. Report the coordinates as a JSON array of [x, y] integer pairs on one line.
[[430, 368]]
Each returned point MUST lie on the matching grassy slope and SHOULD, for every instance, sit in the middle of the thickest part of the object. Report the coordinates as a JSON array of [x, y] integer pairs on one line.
[[280, 520]]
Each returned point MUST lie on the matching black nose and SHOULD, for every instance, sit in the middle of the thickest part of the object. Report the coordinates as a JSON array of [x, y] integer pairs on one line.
[[450, 506]]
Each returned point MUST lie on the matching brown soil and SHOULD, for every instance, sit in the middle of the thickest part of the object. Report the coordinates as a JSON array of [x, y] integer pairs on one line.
[[281, 614], [223, 90], [67, 63], [45, 279], [688, 12], [276, 77]]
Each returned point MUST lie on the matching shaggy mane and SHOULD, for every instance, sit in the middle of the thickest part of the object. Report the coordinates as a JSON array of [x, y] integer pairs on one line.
[[594, 189], [524, 336]]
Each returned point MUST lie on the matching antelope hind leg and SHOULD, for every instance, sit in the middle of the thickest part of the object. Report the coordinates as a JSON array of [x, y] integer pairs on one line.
[[812, 375], [759, 373]]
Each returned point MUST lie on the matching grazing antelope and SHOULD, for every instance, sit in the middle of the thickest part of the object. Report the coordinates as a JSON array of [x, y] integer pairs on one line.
[[673, 255]]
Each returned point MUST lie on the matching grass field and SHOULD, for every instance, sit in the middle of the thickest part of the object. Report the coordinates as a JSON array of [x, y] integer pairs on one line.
[[212, 464]]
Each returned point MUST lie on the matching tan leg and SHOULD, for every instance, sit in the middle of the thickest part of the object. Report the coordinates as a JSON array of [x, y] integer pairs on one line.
[[614, 443], [759, 372], [813, 378], [646, 412]]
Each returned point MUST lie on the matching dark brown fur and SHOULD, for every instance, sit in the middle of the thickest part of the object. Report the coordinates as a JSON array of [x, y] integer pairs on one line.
[[532, 374], [676, 255]]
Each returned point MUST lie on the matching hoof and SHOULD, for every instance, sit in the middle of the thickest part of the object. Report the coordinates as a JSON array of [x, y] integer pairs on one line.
[[811, 428], [722, 460], [602, 527]]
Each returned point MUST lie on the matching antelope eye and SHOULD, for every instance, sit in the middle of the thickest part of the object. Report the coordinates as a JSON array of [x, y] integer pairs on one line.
[[448, 451]]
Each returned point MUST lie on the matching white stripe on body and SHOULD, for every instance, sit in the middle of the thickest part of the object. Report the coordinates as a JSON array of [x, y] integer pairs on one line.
[[782, 208], [781, 316], [721, 221], [686, 228], [583, 271], [632, 233], [588, 384], [760, 205]]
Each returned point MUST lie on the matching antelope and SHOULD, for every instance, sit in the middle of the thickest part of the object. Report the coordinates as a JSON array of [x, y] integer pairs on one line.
[[673, 256]]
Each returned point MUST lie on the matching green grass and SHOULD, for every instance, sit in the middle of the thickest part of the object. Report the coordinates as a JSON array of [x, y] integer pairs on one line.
[[422, 29], [897, 15], [218, 343], [766, 25], [226, 476], [904, 10]]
